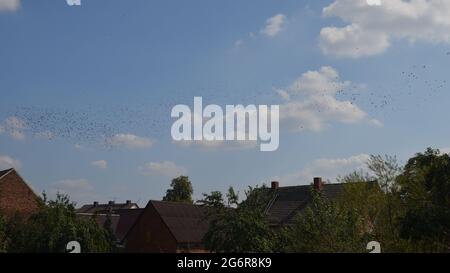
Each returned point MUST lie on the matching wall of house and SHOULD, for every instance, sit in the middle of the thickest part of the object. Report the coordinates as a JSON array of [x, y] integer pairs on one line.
[[16, 197], [150, 234]]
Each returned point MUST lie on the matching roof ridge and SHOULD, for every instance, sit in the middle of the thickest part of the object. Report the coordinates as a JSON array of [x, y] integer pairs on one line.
[[308, 185], [175, 202]]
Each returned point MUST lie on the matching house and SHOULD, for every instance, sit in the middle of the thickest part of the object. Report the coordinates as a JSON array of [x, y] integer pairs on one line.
[[179, 227], [288, 202], [169, 227], [109, 207], [122, 215], [16, 196]]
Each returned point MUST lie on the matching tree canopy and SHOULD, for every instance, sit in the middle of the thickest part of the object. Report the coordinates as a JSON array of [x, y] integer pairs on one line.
[[181, 190], [53, 226]]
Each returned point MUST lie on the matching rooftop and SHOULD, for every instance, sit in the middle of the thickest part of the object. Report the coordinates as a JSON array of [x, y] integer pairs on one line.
[[185, 221], [289, 201], [109, 207]]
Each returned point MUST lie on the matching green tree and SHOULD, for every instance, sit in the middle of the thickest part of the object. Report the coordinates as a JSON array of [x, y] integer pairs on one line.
[[325, 227], [181, 190], [238, 226], [53, 226], [379, 210], [425, 193], [108, 227]]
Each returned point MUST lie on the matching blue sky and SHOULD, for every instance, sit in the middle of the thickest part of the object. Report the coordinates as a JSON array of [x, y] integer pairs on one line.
[[86, 91]]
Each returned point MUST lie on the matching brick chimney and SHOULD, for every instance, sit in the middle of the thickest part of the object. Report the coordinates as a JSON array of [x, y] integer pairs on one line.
[[128, 202], [95, 203], [275, 185], [318, 184]]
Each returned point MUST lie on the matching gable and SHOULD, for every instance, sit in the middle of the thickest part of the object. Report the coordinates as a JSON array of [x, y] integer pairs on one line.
[[16, 197]]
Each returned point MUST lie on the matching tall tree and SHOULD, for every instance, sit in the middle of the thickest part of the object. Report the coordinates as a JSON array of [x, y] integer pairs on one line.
[[181, 190], [238, 226], [53, 226], [326, 227], [425, 193], [378, 209]]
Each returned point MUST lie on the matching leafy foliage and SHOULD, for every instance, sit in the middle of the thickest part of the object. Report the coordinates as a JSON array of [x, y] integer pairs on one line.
[[53, 227], [326, 227], [238, 226], [425, 192], [181, 190], [406, 209]]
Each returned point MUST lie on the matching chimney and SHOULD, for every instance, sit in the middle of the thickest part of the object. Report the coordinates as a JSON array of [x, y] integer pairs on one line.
[[128, 202], [318, 184], [275, 185], [111, 203], [95, 203]]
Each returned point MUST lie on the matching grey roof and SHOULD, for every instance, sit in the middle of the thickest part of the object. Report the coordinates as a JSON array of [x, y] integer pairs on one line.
[[289, 201], [106, 208], [185, 221]]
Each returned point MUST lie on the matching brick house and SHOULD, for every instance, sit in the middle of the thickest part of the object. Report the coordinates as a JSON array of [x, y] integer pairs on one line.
[[16, 196], [168, 227]]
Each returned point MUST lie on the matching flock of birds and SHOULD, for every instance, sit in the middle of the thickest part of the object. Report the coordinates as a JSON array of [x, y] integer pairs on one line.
[[91, 124]]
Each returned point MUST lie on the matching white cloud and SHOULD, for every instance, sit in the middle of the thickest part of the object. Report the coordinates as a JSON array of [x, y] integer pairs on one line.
[[274, 25], [311, 102], [238, 43], [370, 29], [9, 5], [219, 145], [283, 94], [375, 122], [7, 162], [325, 81], [13, 126], [130, 141], [73, 2], [165, 168], [47, 135], [316, 112], [101, 164], [79, 190], [81, 147], [329, 169]]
